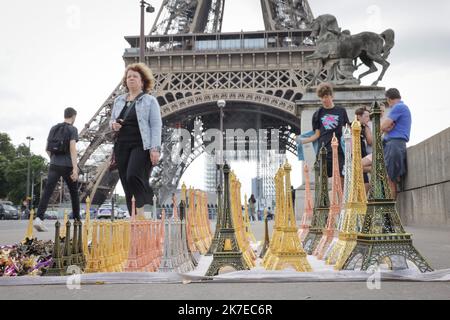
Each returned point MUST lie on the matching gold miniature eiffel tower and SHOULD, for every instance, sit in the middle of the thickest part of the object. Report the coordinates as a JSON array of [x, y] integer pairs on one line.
[[228, 252], [197, 228], [331, 231], [236, 211], [383, 237], [29, 233], [321, 208], [331, 255], [285, 248], [356, 207], [279, 209], [308, 207], [62, 234]]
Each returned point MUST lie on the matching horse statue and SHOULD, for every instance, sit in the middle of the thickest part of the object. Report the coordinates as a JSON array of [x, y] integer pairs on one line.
[[337, 45]]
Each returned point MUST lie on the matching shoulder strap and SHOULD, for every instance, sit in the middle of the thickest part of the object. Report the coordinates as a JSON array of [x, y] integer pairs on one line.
[[125, 115]]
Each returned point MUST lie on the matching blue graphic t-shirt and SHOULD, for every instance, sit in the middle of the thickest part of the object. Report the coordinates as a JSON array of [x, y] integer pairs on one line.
[[401, 115], [330, 121]]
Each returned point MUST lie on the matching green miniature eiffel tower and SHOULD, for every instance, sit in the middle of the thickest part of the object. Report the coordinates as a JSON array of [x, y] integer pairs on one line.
[[67, 252], [57, 268], [321, 207], [383, 237], [228, 252]]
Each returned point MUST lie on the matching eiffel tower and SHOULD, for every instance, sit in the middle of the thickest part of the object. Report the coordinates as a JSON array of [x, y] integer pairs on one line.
[[382, 237], [321, 207], [331, 232], [355, 209], [262, 75], [227, 252]]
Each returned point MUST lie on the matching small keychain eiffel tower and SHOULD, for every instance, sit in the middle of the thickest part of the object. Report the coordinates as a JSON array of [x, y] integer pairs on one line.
[[382, 237]]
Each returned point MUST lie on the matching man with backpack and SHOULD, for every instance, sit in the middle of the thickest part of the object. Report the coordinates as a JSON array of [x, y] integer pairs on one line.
[[61, 148]]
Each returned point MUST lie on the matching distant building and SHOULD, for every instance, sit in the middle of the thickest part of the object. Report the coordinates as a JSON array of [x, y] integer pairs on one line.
[[211, 176], [263, 186]]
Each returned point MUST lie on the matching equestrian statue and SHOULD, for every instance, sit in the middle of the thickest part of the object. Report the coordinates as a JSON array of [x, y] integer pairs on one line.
[[338, 51]]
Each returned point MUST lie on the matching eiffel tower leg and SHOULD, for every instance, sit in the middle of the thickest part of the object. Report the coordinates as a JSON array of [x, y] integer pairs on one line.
[[312, 241], [238, 264], [415, 257], [396, 256], [359, 254], [345, 254]]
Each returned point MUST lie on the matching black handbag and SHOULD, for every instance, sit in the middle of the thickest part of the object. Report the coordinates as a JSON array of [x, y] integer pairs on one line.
[[123, 115]]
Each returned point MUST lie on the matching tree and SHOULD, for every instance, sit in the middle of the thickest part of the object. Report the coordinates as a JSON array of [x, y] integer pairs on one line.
[[13, 170], [7, 149], [7, 154]]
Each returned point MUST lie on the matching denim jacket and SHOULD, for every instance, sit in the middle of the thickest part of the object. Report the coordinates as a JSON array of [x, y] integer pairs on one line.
[[149, 118]]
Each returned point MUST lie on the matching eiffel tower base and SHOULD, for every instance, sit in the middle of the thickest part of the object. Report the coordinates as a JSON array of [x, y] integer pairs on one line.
[[312, 241], [324, 244], [371, 253], [232, 259], [227, 254], [341, 251], [330, 249], [57, 269], [283, 261], [167, 266]]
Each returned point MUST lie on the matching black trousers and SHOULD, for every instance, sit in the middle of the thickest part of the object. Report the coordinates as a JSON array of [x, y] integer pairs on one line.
[[54, 174], [135, 168]]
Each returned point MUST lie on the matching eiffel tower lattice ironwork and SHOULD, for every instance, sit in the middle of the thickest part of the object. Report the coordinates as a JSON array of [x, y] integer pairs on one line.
[[194, 64], [383, 237], [321, 207]]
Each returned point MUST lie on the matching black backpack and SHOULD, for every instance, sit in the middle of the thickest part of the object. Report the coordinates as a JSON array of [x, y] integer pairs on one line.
[[58, 141]]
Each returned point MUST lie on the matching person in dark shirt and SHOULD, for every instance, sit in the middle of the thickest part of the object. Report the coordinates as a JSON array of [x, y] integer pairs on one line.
[[363, 116], [62, 165], [136, 118], [326, 121]]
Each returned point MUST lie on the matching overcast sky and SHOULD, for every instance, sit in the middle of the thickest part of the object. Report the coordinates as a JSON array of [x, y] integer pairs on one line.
[[56, 54]]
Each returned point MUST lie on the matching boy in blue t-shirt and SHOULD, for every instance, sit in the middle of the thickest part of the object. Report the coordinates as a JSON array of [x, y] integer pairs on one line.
[[397, 130]]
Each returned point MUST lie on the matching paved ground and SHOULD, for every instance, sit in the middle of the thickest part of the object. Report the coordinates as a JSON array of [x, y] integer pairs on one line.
[[433, 243]]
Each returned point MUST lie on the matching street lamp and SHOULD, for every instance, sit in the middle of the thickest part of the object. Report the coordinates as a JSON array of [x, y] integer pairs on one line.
[[28, 171], [145, 7], [221, 104]]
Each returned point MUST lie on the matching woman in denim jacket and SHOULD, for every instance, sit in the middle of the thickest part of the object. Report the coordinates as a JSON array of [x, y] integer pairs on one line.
[[136, 118]]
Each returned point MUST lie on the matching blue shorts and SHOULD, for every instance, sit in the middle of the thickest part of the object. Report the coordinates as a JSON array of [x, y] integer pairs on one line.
[[395, 158]]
